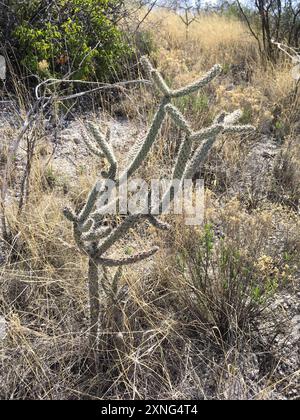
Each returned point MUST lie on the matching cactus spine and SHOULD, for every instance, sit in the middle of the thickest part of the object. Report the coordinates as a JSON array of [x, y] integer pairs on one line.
[[95, 239]]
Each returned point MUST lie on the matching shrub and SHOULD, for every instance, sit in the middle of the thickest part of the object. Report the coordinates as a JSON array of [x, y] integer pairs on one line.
[[228, 289], [76, 37], [145, 43]]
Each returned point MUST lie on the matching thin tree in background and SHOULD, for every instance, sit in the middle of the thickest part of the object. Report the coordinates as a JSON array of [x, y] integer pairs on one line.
[[187, 10], [279, 21]]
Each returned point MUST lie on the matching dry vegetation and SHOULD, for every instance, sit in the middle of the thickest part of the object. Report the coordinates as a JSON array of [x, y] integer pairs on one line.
[[215, 314]]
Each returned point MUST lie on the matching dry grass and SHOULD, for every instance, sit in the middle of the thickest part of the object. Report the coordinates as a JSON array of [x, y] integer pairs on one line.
[[197, 321], [211, 39]]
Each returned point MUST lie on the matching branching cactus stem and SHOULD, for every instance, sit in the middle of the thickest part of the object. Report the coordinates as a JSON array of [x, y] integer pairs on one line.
[[92, 235]]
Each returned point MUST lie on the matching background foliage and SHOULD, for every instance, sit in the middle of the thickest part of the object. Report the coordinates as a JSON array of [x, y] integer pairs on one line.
[[74, 37]]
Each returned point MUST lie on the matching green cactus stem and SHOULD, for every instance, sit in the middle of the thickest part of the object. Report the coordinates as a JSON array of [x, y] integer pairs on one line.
[[91, 233]]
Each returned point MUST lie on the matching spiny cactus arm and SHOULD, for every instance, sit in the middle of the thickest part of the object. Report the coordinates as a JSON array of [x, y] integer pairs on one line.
[[77, 228], [78, 238], [70, 215], [155, 75], [118, 233], [91, 147], [183, 158], [97, 192], [233, 118], [231, 124], [108, 135], [93, 276], [147, 143], [111, 208], [239, 129], [194, 87], [96, 235], [178, 175], [106, 149], [178, 118], [207, 133], [158, 223], [107, 262], [222, 122], [160, 83], [199, 157], [89, 206], [86, 227], [147, 66], [219, 128], [97, 216], [204, 149]]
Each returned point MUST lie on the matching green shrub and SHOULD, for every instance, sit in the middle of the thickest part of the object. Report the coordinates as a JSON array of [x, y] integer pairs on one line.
[[227, 288], [144, 42], [76, 37]]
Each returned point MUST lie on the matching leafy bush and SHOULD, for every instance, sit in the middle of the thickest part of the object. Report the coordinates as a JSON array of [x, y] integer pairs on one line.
[[77, 37]]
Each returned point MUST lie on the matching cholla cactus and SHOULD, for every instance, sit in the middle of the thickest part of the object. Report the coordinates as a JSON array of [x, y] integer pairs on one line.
[[91, 235]]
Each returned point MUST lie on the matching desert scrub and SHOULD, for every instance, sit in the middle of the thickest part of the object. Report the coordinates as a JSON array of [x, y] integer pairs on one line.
[[93, 236], [228, 271], [224, 286], [77, 37], [211, 38]]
